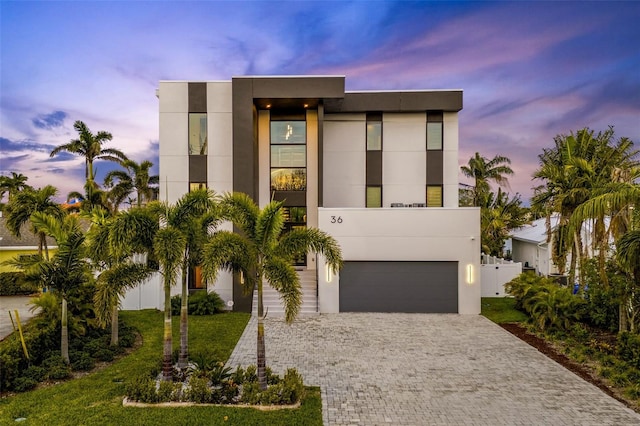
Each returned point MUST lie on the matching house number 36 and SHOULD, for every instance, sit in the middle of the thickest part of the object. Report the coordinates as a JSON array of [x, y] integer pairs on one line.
[[335, 219]]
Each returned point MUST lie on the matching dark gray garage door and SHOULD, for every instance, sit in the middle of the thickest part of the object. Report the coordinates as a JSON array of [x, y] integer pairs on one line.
[[399, 287]]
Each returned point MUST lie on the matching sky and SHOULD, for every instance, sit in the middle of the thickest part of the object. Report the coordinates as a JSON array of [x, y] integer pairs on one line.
[[529, 70]]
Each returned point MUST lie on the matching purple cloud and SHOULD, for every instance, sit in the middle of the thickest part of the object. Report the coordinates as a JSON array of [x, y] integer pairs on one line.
[[49, 121]]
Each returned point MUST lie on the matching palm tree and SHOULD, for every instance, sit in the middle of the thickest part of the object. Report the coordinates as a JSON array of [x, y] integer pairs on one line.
[[498, 215], [483, 170], [12, 185], [135, 178], [117, 272], [175, 234], [195, 217], [89, 146], [22, 207], [262, 252], [168, 244], [628, 257], [66, 271], [577, 169]]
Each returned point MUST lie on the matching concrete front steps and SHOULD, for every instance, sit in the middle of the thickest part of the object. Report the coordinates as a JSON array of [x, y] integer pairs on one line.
[[272, 301]]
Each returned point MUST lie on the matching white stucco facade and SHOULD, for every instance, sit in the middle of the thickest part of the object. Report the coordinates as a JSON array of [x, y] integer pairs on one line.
[[336, 170]]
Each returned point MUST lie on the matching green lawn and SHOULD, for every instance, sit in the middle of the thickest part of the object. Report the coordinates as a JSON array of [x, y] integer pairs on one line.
[[97, 398], [502, 310]]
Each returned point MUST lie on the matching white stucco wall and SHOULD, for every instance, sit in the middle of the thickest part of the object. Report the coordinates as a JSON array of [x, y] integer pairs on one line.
[[344, 160], [404, 173], [405, 234], [174, 157]]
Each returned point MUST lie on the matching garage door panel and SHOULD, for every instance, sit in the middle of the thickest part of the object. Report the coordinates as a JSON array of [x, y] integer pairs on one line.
[[399, 287]]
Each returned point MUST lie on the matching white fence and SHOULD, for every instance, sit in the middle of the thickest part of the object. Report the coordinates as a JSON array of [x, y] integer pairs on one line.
[[495, 273], [148, 295]]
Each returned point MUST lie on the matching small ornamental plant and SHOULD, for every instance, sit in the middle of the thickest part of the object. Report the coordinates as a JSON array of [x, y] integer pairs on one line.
[[213, 383]]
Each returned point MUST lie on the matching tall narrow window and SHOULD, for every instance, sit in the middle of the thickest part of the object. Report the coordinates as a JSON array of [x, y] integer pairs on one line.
[[434, 136], [197, 134], [374, 196], [288, 156], [374, 160], [434, 195]]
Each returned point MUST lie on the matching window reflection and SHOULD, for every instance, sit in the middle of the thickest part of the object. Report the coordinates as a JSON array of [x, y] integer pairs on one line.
[[288, 179], [198, 134]]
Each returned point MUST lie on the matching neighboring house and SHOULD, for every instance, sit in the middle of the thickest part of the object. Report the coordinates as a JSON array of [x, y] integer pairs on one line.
[[377, 170], [530, 246], [11, 246]]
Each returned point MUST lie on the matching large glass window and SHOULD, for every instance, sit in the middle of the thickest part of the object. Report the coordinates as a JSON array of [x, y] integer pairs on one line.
[[434, 136], [288, 155], [374, 196], [288, 132], [288, 179], [197, 134], [374, 136], [434, 195]]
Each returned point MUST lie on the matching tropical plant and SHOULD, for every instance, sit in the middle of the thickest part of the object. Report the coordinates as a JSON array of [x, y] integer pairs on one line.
[[89, 146], [499, 214], [482, 170], [117, 272], [261, 251], [575, 170], [628, 257], [24, 204], [66, 271], [135, 178], [194, 216], [13, 184]]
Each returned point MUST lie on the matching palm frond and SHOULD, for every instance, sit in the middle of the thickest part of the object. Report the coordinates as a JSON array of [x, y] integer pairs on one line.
[[284, 279], [168, 246], [240, 209], [269, 225], [228, 251], [302, 241]]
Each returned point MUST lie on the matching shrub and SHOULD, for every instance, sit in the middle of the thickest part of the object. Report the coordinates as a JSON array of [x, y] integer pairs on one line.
[[629, 348], [56, 368], [14, 283], [168, 391], [199, 390], [632, 391], [200, 303], [104, 354], [34, 372], [23, 384], [289, 390], [549, 305], [602, 299], [81, 361], [142, 389]]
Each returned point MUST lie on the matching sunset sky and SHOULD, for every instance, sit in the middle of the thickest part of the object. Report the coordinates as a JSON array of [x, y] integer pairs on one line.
[[529, 70]]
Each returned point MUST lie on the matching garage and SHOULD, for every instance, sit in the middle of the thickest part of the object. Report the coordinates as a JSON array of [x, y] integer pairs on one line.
[[427, 287]]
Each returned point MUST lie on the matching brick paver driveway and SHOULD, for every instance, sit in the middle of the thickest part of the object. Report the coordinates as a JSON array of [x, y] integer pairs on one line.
[[428, 369]]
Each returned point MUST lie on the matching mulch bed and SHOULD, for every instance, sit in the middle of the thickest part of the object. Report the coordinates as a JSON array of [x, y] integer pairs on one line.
[[581, 370]]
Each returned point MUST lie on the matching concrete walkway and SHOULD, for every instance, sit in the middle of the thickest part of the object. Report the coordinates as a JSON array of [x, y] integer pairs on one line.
[[11, 303], [428, 369]]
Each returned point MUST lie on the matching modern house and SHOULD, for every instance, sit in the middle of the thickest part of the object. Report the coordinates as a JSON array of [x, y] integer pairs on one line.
[[377, 170]]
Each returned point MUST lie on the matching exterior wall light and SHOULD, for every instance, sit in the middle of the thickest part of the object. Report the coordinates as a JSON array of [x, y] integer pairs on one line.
[[329, 273], [470, 274]]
